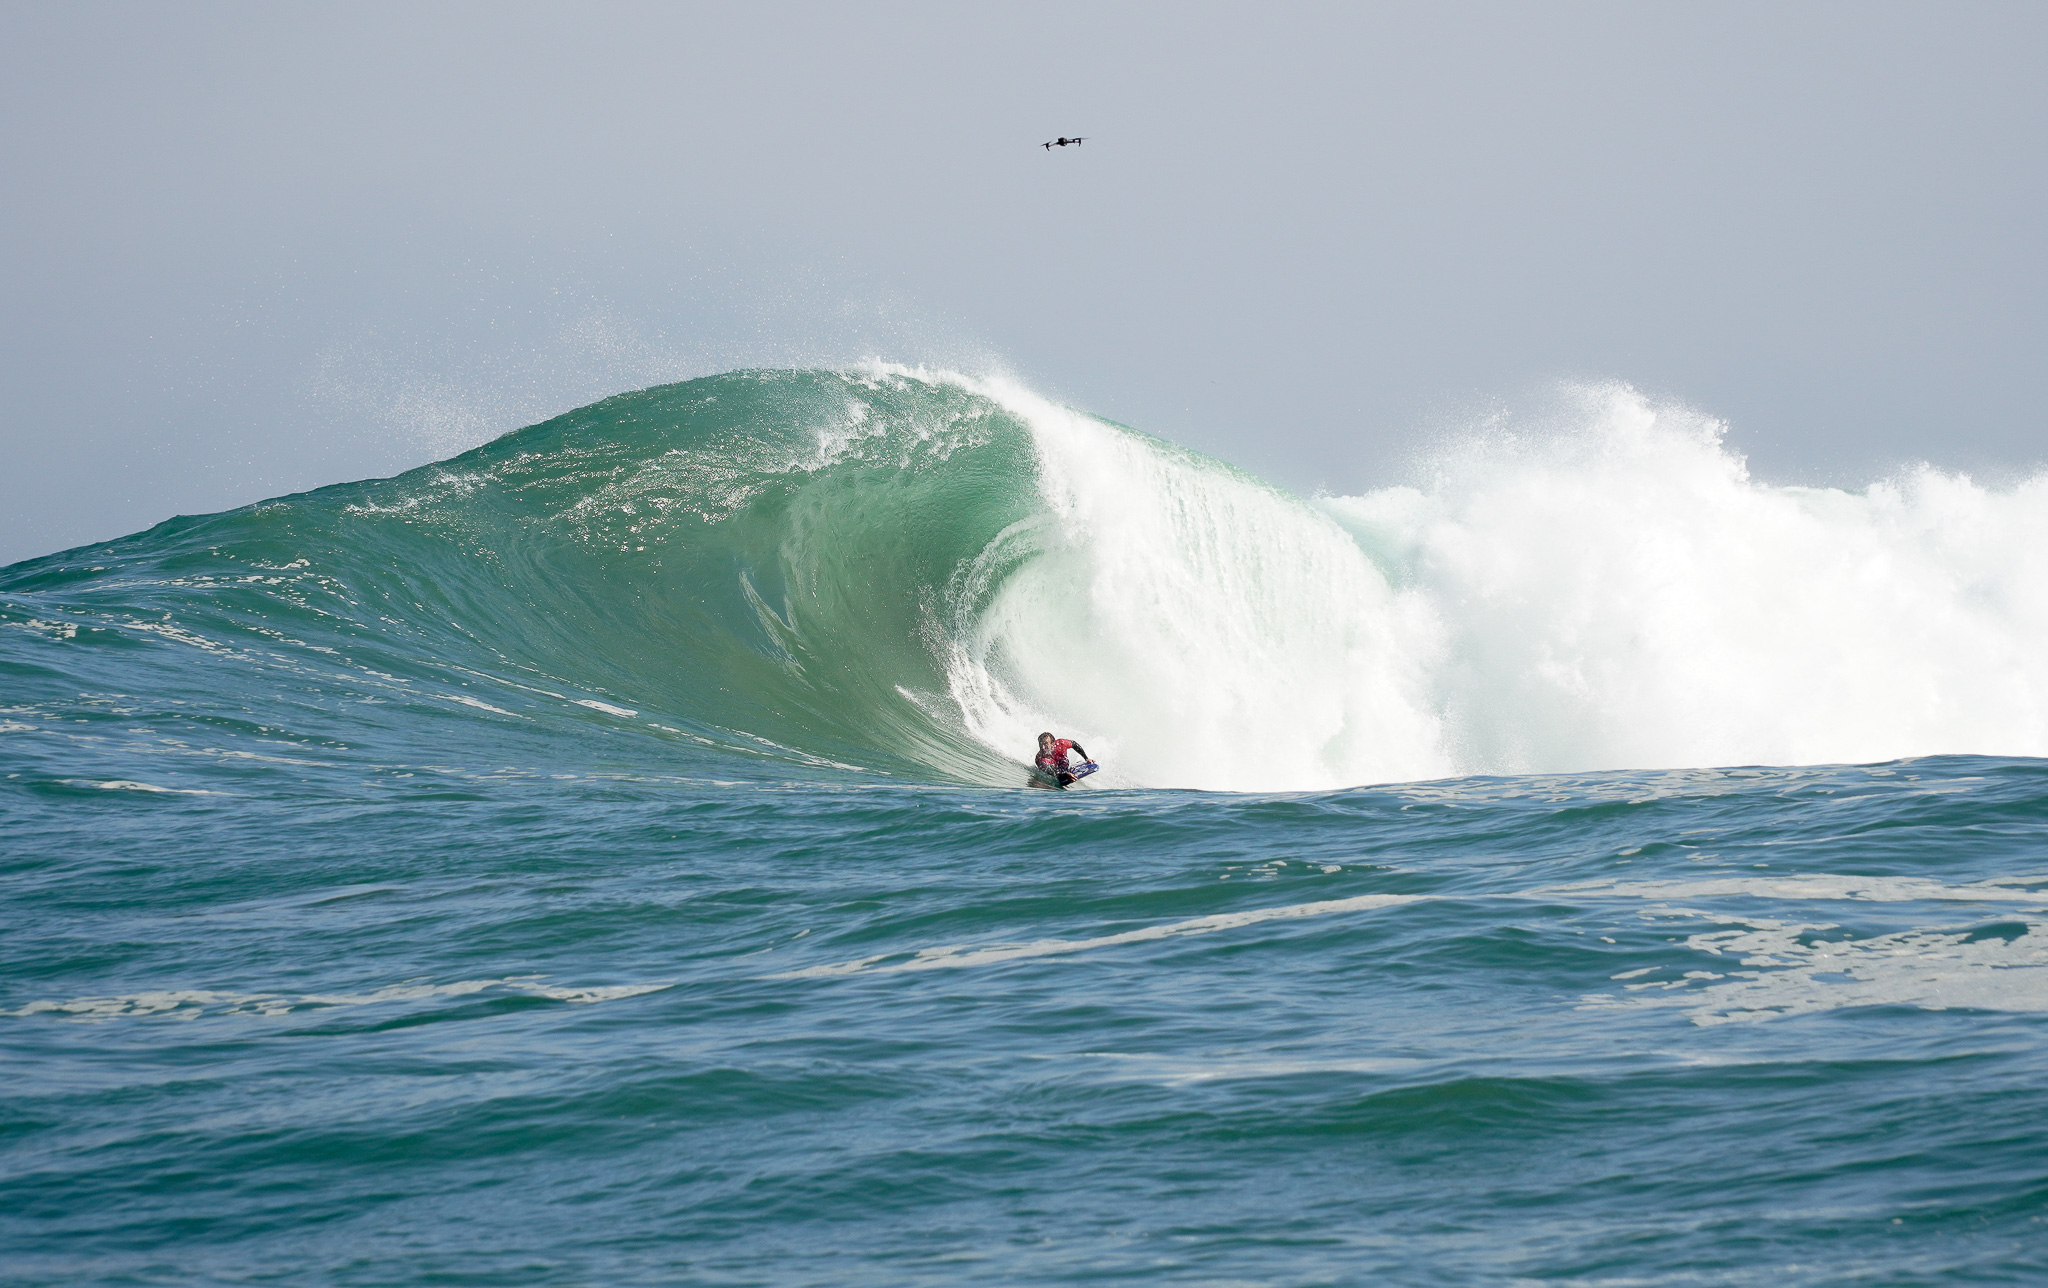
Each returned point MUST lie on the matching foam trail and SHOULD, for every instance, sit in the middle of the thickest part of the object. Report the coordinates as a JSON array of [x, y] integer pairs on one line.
[[191, 1003], [958, 955], [1777, 968], [1825, 886]]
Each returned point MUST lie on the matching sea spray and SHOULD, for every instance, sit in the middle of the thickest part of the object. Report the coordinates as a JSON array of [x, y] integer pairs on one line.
[[1619, 591], [1613, 591]]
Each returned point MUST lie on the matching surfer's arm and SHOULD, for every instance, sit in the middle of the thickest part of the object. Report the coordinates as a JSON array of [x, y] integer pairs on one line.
[[1083, 752]]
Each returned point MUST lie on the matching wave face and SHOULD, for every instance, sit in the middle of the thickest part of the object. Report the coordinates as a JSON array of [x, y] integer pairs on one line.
[[909, 574]]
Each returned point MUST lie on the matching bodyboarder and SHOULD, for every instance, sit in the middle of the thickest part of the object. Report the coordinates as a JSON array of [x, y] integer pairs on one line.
[[1052, 760]]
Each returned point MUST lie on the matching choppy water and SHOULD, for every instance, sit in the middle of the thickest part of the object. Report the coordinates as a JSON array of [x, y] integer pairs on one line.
[[420, 882]]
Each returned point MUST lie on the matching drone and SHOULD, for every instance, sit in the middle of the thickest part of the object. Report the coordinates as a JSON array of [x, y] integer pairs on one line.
[[1060, 143]]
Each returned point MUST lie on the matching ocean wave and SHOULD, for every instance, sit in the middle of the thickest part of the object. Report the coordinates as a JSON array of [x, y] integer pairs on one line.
[[897, 572]]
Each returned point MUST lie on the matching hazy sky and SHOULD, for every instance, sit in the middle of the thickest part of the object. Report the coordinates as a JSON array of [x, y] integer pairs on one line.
[[250, 249]]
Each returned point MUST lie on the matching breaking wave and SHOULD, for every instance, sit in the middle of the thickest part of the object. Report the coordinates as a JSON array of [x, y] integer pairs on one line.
[[897, 572]]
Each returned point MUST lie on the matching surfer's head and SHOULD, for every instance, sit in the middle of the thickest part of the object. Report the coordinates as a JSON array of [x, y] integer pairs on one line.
[[1045, 740]]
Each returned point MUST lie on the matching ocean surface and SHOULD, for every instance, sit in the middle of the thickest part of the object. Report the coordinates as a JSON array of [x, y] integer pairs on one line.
[[605, 858]]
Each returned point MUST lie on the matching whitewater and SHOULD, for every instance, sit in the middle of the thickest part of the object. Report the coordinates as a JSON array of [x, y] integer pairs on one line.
[[1617, 592], [605, 856]]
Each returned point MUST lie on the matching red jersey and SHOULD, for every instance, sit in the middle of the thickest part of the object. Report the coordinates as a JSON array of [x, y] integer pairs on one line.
[[1056, 759]]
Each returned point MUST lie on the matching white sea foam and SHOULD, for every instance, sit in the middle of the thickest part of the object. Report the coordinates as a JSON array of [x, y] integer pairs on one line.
[[1764, 967], [1767, 967], [478, 703], [951, 956], [178, 635], [191, 1003], [1615, 591], [1779, 968], [1625, 594], [1823, 886], [54, 630], [130, 785]]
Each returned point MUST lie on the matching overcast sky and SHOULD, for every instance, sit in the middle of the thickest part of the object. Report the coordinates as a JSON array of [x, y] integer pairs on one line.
[[251, 249]]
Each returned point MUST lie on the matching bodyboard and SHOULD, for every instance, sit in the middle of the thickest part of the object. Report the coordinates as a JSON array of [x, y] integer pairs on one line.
[[1041, 778]]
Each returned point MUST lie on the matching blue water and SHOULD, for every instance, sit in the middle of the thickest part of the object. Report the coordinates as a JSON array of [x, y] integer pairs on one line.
[[405, 884]]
